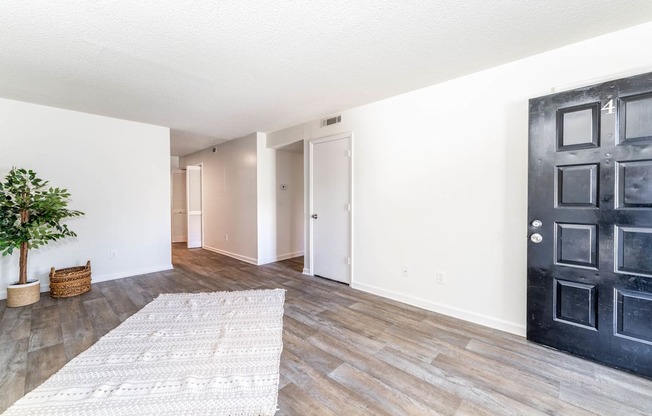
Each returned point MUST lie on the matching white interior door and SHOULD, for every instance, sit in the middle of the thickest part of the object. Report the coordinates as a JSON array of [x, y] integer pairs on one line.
[[331, 208], [179, 207], [194, 204]]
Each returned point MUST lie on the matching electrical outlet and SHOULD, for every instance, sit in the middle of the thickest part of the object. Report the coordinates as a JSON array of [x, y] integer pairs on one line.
[[440, 278], [226, 238], [404, 271], [113, 255]]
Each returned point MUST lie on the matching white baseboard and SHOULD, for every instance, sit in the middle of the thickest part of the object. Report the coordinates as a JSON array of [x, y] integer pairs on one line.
[[307, 272], [45, 285], [286, 256], [463, 314], [252, 260], [179, 239], [236, 256], [280, 257]]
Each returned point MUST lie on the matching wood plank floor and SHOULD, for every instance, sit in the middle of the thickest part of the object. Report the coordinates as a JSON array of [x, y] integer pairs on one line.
[[345, 352]]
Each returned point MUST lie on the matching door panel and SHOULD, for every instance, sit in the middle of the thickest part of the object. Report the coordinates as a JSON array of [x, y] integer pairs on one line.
[[179, 214], [331, 190], [590, 189], [194, 199]]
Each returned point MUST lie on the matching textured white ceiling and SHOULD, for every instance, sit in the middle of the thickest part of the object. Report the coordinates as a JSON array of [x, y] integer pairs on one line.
[[185, 142], [228, 68]]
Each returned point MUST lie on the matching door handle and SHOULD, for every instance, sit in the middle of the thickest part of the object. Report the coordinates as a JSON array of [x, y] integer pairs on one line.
[[314, 216]]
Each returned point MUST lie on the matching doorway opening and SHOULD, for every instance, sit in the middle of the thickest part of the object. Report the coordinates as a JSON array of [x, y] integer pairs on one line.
[[186, 206], [194, 205], [290, 210], [178, 206]]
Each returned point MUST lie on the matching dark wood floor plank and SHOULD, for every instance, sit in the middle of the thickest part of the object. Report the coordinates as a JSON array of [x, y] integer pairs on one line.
[[42, 363], [379, 393], [3, 308], [394, 377], [101, 315], [470, 409], [435, 341], [393, 317], [16, 323], [136, 293], [418, 351], [330, 393], [359, 323], [319, 359], [297, 328], [509, 385], [462, 387], [440, 322], [543, 362], [45, 328], [13, 358], [45, 300], [491, 369], [388, 305], [94, 293], [598, 404], [346, 352], [298, 402], [620, 381], [71, 309], [329, 328], [120, 302], [157, 283], [305, 305], [78, 335]]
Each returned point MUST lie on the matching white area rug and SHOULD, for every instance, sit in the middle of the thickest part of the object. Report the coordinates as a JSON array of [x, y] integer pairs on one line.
[[182, 354]]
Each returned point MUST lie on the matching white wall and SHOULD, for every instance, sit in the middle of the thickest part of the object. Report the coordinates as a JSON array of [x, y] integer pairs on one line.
[[229, 197], [118, 173], [266, 174], [440, 179], [174, 162]]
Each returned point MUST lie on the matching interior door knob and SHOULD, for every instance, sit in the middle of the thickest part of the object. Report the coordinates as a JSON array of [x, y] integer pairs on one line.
[[314, 216]]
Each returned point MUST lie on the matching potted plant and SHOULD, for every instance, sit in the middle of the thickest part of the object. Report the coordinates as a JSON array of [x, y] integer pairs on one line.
[[30, 217]]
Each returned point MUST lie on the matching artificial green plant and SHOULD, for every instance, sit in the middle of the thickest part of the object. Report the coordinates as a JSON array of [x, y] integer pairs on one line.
[[31, 214]]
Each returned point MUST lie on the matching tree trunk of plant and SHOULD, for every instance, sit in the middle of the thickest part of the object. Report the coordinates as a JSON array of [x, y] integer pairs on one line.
[[22, 279]]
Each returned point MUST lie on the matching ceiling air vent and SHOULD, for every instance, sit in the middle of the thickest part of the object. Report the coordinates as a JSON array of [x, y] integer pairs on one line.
[[331, 120]]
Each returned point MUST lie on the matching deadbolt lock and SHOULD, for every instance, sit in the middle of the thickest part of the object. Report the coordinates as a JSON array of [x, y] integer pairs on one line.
[[536, 238]]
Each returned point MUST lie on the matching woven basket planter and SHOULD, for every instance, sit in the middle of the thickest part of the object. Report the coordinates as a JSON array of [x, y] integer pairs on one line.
[[71, 281], [23, 295]]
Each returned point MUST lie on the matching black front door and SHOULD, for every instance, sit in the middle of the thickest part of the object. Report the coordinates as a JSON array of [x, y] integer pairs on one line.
[[590, 223]]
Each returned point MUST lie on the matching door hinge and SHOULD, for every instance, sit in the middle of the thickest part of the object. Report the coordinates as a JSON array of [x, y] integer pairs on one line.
[[348, 207], [348, 261], [348, 153]]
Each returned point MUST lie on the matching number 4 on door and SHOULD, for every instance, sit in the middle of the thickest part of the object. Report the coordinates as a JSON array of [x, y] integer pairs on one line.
[[609, 107]]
